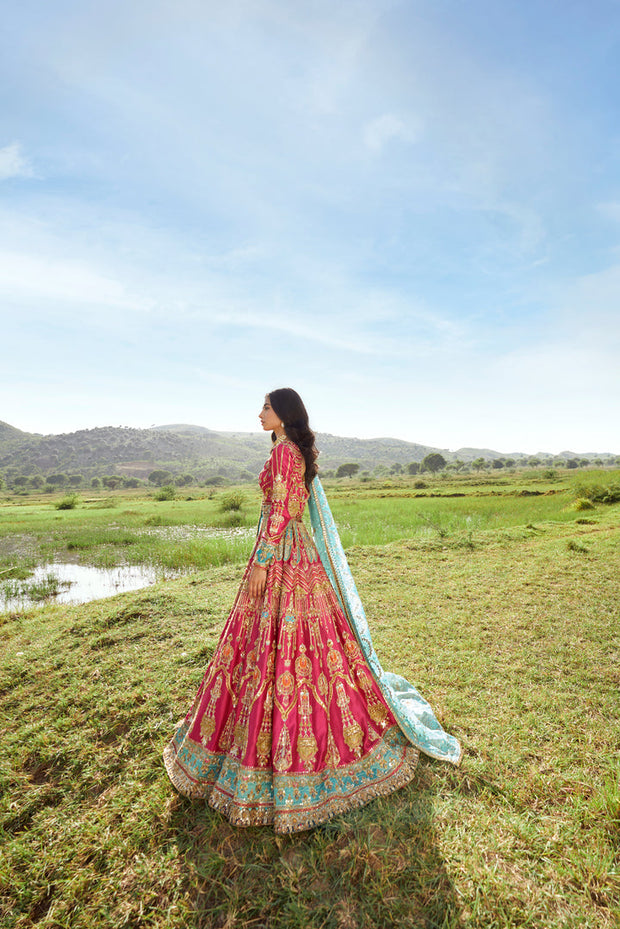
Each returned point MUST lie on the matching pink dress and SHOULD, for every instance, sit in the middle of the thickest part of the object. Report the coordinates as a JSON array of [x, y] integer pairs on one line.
[[288, 727]]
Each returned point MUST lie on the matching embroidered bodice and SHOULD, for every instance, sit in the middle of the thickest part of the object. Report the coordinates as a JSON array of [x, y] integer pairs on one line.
[[284, 496]]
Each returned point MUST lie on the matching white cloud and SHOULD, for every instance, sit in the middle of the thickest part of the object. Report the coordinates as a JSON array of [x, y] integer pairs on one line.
[[13, 163], [378, 132], [610, 209], [48, 280]]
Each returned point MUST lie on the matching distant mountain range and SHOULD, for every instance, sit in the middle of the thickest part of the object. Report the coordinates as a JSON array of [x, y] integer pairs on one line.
[[202, 452]]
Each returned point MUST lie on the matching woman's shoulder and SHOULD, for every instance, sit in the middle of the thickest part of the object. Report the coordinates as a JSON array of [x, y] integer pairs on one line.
[[283, 447]]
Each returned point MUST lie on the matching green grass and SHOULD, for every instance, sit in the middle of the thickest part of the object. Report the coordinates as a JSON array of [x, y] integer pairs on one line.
[[107, 529], [513, 638], [131, 531]]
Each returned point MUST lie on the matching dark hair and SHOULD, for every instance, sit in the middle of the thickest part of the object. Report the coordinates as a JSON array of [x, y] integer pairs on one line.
[[288, 405]]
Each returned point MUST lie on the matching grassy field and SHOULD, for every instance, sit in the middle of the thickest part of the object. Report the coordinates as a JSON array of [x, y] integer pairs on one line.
[[501, 606]]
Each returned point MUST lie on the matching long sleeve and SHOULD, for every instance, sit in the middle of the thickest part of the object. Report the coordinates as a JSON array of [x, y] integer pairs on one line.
[[282, 469]]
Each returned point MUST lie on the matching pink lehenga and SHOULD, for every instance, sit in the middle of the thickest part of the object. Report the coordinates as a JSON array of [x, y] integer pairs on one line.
[[291, 725]]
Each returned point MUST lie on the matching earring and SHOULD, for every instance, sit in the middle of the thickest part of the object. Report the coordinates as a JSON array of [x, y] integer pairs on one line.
[[282, 424]]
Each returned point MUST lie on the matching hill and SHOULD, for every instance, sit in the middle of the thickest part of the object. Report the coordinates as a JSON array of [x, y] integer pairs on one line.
[[9, 433], [197, 450]]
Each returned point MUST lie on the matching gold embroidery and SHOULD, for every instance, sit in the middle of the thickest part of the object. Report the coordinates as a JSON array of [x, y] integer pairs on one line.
[[207, 723], [332, 757], [389, 765], [286, 684], [303, 665], [378, 711], [334, 658], [279, 490], [263, 740], [306, 742], [227, 735], [351, 731], [283, 758], [352, 650]]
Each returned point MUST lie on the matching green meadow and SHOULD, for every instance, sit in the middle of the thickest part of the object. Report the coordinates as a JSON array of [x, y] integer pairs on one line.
[[497, 596]]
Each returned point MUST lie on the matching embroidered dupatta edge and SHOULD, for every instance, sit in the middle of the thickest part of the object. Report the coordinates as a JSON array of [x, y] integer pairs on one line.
[[413, 713]]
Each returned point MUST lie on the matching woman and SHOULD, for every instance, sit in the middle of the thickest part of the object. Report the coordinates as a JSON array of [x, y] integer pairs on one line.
[[295, 720]]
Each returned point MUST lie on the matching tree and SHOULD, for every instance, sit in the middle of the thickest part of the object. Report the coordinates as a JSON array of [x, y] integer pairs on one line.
[[413, 468], [160, 477], [478, 464], [347, 470], [533, 462], [112, 481], [433, 462], [75, 479], [36, 481], [58, 480], [510, 462], [95, 482], [396, 468], [498, 463], [20, 481], [572, 463]]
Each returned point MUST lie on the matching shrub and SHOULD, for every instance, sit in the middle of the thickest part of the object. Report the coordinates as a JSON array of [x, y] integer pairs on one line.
[[598, 493], [167, 492], [108, 503], [232, 501], [232, 520], [582, 503], [69, 502], [419, 485]]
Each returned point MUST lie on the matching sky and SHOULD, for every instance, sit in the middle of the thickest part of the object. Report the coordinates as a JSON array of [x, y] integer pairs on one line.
[[407, 211]]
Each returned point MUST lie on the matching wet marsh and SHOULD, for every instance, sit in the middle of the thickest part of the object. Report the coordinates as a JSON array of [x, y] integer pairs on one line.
[[127, 531]]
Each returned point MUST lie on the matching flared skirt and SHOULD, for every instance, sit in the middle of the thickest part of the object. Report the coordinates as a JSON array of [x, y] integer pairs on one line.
[[288, 727]]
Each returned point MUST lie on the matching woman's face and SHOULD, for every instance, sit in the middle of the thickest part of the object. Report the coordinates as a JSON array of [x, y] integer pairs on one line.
[[269, 419]]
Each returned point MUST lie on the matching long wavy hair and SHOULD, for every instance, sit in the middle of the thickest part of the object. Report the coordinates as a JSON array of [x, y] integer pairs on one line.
[[288, 405]]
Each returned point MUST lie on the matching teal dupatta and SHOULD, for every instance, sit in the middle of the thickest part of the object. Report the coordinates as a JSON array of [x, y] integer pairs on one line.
[[413, 713]]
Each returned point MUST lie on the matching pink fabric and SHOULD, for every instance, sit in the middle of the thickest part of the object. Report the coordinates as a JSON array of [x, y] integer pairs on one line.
[[288, 695]]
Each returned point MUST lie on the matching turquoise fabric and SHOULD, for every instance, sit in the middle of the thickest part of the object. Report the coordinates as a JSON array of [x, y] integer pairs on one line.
[[413, 713]]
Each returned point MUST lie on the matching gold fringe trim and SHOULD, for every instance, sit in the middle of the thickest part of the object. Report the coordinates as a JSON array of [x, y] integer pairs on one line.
[[287, 821]]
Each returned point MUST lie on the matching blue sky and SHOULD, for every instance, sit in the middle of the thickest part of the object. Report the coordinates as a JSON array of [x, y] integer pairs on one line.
[[409, 211]]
